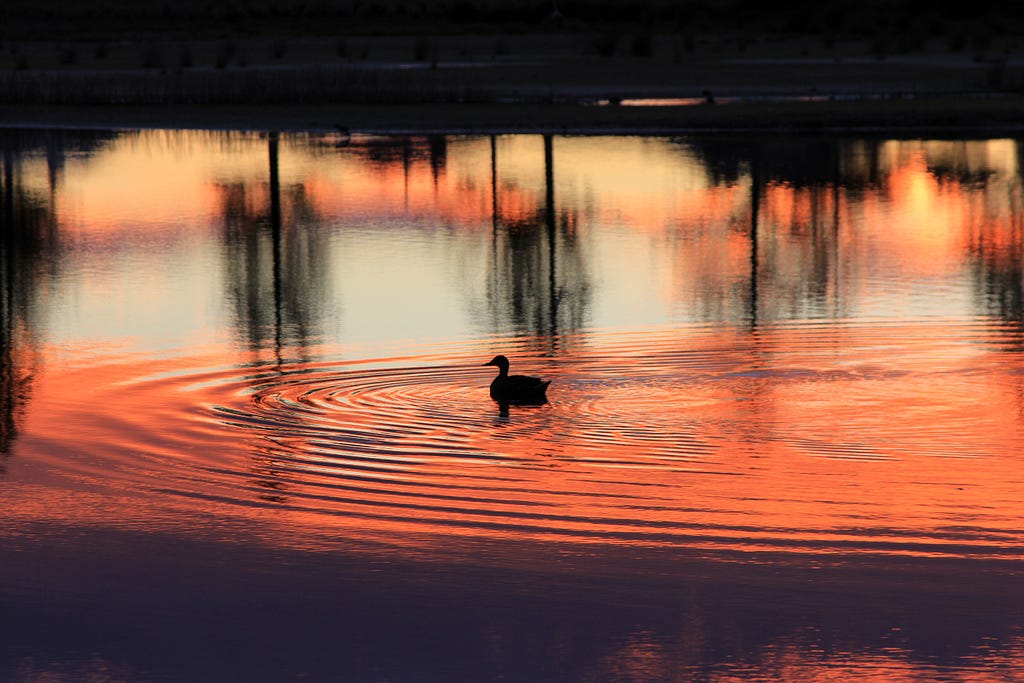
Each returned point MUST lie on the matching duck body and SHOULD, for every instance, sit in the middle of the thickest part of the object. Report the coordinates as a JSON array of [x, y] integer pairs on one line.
[[508, 388]]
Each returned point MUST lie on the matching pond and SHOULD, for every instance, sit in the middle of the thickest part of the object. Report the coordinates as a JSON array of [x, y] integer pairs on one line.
[[245, 429]]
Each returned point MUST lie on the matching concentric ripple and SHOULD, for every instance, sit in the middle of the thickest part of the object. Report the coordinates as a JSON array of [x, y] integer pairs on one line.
[[695, 437], [717, 440]]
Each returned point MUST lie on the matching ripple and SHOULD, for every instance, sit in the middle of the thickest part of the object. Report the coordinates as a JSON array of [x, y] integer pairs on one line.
[[782, 439]]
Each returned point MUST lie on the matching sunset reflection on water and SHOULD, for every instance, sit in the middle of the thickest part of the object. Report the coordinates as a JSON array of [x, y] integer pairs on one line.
[[780, 367]]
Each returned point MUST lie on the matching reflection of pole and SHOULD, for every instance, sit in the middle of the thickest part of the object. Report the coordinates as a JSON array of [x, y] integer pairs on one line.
[[8, 209], [7, 375], [438, 156], [755, 203], [8, 255], [549, 200], [494, 186], [835, 233], [7, 234], [6, 285], [275, 236], [494, 206], [405, 173], [54, 161]]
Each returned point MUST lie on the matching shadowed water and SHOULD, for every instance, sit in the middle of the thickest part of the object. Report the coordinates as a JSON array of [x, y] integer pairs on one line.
[[245, 422]]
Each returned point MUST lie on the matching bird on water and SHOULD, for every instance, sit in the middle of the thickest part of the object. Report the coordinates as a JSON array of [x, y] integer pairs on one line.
[[508, 388]]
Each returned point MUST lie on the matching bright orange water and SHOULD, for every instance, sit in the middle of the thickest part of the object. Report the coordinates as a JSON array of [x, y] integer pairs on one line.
[[785, 373]]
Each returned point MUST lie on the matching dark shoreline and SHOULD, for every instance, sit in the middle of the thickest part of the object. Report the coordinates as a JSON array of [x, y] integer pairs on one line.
[[942, 115], [214, 599]]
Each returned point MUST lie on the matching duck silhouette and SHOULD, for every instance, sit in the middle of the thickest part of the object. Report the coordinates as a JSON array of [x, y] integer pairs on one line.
[[518, 389]]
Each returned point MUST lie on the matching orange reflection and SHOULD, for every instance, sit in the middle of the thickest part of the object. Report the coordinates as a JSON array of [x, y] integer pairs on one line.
[[825, 369], [759, 372], [776, 446]]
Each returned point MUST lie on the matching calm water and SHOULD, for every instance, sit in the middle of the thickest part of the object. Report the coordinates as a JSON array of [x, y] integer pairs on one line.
[[245, 431]]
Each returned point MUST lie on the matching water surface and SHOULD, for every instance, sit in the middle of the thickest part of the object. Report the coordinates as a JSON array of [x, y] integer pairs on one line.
[[246, 431]]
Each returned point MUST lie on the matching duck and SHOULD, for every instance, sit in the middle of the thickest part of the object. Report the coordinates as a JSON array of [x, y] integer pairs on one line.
[[508, 388]]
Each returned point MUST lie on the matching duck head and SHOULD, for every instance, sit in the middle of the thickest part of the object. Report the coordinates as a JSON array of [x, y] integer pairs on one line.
[[499, 361]]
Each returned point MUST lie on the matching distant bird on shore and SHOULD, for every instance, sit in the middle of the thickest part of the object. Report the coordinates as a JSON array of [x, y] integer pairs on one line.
[[508, 388]]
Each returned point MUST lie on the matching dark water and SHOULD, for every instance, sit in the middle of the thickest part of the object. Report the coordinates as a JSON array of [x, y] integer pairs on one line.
[[246, 433]]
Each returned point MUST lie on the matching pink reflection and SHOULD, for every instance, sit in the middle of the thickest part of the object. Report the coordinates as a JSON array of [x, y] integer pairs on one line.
[[742, 364]]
